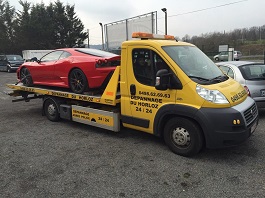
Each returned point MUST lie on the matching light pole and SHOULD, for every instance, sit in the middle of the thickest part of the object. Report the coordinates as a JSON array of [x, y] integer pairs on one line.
[[102, 35], [87, 38], [165, 11]]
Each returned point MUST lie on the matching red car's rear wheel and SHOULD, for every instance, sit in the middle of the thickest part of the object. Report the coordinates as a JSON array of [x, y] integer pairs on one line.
[[25, 77], [78, 81]]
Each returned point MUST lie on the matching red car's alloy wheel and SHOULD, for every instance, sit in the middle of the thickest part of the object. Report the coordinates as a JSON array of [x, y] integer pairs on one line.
[[78, 81], [25, 77]]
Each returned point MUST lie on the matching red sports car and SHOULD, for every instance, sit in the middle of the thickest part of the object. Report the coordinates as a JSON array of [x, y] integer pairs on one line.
[[79, 69]]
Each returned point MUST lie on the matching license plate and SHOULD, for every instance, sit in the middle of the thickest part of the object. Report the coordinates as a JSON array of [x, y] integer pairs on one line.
[[262, 92], [254, 126]]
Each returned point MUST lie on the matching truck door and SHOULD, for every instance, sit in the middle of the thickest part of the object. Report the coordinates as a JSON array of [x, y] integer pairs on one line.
[[139, 107]]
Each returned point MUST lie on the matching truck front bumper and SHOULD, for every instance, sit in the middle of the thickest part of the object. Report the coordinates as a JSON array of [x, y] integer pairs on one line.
[[229, 126]]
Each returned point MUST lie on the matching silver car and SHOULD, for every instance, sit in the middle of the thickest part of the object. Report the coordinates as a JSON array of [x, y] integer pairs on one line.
[[249, 74], [223, 56]]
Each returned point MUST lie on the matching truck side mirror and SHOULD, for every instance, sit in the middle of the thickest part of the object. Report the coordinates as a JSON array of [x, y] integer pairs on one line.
[[162, 79]]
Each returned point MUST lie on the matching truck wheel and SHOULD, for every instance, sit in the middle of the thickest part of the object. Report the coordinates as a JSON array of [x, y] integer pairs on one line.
[[78, 81], [183, 136], [51, 110], [25, 77]]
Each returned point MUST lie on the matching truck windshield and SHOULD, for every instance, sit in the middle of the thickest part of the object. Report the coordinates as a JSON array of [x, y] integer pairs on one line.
[[195, 64]]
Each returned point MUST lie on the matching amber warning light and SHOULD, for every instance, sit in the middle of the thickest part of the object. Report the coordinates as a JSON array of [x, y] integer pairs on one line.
[[144, 35]]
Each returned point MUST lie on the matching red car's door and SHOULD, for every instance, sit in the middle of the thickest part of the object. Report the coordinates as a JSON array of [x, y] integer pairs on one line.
[[61, 68], [43, 72]]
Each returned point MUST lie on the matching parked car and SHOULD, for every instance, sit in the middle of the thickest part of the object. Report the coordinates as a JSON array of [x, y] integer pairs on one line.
[[79, 69], [10, 63], [251, 75], [223, 56]]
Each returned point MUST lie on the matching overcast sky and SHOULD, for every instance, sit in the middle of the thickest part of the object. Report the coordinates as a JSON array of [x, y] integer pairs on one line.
[[184, 16]]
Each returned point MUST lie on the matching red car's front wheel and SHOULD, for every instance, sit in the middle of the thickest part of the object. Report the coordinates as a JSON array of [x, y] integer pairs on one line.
[[25, 77], [78, 81]]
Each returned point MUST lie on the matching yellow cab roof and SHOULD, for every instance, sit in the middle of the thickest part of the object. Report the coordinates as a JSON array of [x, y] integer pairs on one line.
[[155, 42]]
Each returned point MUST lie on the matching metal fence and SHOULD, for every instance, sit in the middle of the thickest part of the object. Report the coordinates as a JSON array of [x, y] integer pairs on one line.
[[119, 31]]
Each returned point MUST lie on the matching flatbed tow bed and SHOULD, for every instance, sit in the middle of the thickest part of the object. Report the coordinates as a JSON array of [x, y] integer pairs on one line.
[[110, 95], [100, 110], [25, 92]]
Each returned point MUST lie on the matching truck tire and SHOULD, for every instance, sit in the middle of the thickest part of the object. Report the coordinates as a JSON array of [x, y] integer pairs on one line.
[[183, 136], [51, 110]]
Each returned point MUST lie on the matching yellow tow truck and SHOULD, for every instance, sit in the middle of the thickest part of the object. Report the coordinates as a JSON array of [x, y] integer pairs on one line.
[[163, 87]]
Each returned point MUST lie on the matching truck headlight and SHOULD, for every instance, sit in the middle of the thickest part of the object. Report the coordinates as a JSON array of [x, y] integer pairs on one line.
[[214, 96]]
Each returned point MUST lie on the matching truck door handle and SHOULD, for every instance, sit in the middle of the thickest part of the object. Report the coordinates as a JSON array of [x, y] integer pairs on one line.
[[132, 89]]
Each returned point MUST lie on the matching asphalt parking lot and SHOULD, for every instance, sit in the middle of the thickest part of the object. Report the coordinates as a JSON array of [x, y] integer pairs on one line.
[[40, 158]]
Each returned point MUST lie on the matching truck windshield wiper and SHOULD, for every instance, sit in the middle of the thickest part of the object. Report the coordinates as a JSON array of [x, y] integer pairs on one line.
[[199, 78], [219, 78]]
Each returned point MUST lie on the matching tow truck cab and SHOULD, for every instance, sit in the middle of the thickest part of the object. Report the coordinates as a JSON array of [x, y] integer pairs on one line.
[[179, 93]]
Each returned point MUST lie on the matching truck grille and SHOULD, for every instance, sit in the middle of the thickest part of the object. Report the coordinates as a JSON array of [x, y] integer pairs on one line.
[[250, 114]]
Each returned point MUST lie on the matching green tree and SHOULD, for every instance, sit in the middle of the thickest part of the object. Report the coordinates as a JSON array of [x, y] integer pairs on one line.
[[48, 27], [41, 27], [23, 27], [69, 30], [7, 14], [75, 33]]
